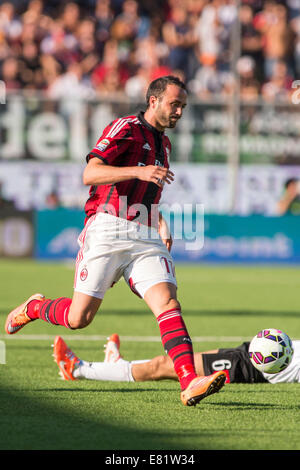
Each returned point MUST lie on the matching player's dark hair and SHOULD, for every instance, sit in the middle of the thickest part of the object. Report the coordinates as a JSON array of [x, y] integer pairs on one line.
[[159, 85]]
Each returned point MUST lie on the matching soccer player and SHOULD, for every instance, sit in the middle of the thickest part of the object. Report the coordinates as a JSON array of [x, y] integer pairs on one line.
[[126, 172], [234, 361]]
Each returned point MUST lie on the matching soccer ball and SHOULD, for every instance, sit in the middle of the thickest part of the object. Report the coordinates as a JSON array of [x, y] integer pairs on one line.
[[271, 351]]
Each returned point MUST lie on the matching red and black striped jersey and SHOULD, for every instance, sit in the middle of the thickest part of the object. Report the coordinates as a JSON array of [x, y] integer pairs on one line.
[[128, 141]]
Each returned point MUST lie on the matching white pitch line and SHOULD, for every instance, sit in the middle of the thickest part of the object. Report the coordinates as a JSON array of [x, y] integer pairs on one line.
[[129, 339]]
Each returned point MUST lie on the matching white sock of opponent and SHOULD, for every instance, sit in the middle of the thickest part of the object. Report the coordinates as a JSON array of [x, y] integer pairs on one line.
[[119, 371]]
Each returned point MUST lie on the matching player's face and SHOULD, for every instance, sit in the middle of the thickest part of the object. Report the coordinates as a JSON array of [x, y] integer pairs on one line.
[[169, 107]]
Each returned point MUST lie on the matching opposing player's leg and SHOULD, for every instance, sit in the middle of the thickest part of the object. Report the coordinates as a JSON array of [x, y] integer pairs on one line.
[[158, 368], [66, 360], [161, 367], [235, 361], [114, 367], [112, 349], [71, 367]]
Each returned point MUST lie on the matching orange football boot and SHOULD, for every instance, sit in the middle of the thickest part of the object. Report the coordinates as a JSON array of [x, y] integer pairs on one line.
[[201, 387], [112, 349], [64, 358], [18, 317]]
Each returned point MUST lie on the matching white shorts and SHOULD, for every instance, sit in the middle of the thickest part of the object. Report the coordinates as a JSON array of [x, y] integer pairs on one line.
[[112, 247]]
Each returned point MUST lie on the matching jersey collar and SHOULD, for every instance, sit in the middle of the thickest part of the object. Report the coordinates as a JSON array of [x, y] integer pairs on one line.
[[146, 124]]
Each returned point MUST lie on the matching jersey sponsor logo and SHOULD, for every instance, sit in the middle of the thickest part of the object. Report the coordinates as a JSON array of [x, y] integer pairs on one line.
[[102, 144]]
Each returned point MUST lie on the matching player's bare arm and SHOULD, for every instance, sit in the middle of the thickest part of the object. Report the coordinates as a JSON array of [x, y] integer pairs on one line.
[[164, 232], [97, 173]]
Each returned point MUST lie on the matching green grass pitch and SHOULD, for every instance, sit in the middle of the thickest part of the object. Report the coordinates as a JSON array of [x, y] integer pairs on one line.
[[221, 305]]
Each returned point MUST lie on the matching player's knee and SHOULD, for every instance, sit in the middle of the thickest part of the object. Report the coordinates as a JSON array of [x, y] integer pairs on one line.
[[171, 304], [79, 322]]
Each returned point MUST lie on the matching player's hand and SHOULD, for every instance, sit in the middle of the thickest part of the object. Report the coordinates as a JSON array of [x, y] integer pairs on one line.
[[168, 242], [155, 174]]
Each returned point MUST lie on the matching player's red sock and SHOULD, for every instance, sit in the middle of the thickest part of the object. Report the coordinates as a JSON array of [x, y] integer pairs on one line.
[[178, 345], [53, 311]]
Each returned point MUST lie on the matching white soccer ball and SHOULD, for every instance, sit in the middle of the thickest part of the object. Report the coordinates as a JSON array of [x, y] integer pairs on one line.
[[271, 351]]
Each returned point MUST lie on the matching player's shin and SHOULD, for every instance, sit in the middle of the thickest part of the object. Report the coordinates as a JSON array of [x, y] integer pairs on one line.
[[178, 345]]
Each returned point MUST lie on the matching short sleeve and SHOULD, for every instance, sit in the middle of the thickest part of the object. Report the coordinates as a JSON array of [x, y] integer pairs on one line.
[[114, 141]]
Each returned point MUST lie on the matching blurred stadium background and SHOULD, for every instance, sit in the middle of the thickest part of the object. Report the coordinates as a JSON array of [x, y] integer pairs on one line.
[[69, 68]]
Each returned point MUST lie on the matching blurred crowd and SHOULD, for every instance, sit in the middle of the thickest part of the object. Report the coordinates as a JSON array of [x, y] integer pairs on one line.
[[110, 47]]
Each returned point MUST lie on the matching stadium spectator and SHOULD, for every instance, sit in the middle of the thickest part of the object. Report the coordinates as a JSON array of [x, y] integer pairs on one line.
[[290, 201], [277, 35], [104, 17], [10, 74], [52, 201], [88, 52], [295, 25], [71, 84], [30, 67], [60, 44], [111, 74], [5, 51], [226, 17], [114, 368], [293, 8], [278, 88], [179, 36], [51, 70], [249, 84], [151, 54], [251, 39], [10, 23], [209, 81], [206, 31], [136, 86], [130, 24], [70, 18]]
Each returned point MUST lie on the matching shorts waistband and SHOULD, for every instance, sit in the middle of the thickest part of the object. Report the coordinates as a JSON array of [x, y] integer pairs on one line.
[[126, 224]]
